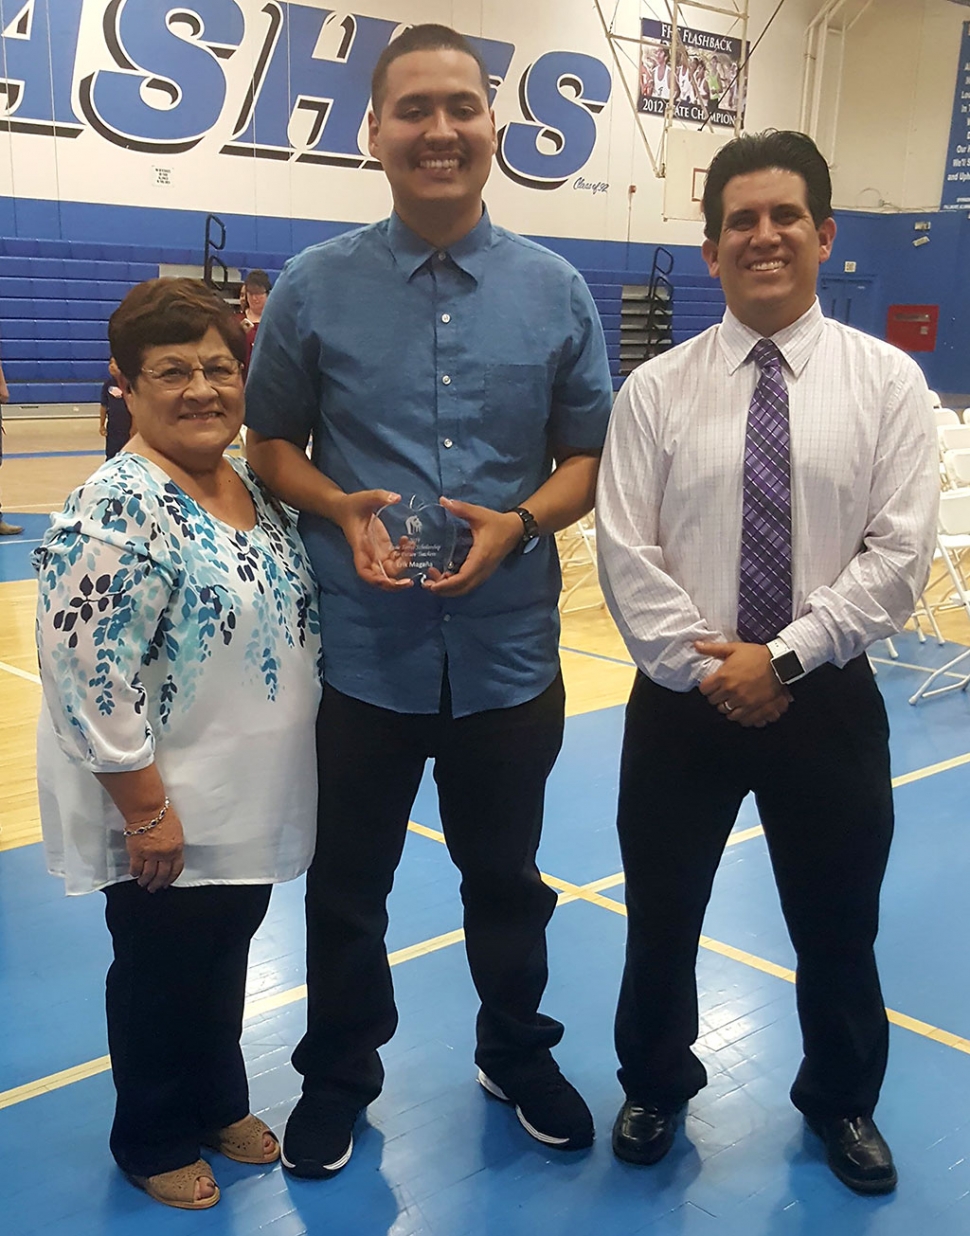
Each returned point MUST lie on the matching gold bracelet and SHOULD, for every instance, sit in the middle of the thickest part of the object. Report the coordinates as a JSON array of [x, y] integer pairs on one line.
[[152, 823]]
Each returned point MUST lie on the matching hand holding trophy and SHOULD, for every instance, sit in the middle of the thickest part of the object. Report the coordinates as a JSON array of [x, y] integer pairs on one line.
[[418, 540]]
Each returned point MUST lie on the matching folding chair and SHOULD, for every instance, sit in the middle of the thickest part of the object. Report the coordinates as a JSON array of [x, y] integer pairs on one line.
[[934, 399], [954, 437], [945, 417], [956, 464], [577, 558], [953, 540]]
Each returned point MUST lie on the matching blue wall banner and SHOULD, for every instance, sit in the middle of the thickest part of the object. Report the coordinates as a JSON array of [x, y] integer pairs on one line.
[[956, 178]]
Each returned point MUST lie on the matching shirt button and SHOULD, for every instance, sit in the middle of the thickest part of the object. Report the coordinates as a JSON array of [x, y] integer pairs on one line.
[[448, 442], [446, 380], [446, 318], [441, 255], [447, 618]]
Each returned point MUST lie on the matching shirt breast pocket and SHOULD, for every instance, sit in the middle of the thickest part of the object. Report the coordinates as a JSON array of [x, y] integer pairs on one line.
[[516, 411]]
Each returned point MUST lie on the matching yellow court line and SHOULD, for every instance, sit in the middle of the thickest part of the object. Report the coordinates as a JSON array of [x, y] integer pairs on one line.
[[568, 892], [254, 1008], [593, 894], [19, 673], [931, 770], [745, 834], [54, 1081], [903, 1020]]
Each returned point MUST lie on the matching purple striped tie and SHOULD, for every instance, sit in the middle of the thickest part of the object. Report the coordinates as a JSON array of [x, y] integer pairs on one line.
[[765, 587]]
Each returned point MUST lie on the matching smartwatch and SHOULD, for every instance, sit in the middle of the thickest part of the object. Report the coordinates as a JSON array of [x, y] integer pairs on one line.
[[785, 663], [530, 530]]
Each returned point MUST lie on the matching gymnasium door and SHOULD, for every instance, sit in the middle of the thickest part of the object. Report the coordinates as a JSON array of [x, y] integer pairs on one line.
[[849, 299]]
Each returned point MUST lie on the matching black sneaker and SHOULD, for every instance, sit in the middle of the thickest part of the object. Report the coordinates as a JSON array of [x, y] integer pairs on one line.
[[319, 1137], [549, 1108]]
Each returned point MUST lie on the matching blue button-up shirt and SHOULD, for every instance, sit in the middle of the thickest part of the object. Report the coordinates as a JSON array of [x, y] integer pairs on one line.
[[432, 373]]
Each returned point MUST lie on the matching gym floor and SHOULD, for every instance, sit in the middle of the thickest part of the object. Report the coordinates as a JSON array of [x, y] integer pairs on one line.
[[435, 1154]]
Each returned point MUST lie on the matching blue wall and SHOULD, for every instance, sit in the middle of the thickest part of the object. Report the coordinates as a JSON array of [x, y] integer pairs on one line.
[[937, 273], [881, 245]]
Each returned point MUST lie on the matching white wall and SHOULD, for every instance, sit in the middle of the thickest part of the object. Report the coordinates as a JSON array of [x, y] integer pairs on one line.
[[90, 168], [896, 104]]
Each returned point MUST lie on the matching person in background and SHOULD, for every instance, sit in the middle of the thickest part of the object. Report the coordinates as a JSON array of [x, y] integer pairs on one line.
[[115, 424], [257, 289], [241, 313], [430, 354], [178, 641], [766, 510], [5, 528]]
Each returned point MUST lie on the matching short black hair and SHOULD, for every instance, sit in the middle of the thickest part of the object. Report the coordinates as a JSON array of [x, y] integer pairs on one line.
[[427, 37], [163, 311], [258, 280], [753, 152]]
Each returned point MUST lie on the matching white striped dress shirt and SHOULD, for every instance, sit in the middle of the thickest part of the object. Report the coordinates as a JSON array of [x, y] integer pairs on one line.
[[865, 492]]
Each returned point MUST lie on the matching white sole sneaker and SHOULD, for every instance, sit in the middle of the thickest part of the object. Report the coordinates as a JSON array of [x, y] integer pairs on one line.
[[497, 1092], [328, 1168]]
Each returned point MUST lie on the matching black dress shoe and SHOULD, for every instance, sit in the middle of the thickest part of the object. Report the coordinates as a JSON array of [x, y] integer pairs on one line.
[[857, 1152], [643, 1133]]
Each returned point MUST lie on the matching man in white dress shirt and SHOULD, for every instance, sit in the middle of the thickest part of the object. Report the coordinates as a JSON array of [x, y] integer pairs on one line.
[[766, 510]]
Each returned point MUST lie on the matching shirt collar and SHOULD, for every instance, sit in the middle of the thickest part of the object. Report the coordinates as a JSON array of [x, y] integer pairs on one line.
[[468, 254], [795, 342]]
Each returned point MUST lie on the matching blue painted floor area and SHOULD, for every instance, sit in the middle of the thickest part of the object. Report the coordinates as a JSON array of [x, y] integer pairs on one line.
[[15, 551], [436, 1156]]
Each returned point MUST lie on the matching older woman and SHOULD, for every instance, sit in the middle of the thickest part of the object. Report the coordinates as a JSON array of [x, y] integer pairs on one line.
[[179, 648]]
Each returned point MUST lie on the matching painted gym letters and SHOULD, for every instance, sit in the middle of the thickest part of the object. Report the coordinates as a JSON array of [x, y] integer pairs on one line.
[[275, 79]]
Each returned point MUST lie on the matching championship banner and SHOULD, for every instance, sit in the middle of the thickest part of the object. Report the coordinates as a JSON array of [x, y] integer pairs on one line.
[[702, 74], [956, 178]]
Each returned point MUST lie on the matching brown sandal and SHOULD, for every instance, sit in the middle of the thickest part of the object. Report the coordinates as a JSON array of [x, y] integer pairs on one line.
[[243, 1141], [178, 1188]]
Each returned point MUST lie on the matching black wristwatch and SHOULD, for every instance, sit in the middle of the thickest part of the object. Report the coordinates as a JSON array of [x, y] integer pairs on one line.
[[784, 662], [530, 530]]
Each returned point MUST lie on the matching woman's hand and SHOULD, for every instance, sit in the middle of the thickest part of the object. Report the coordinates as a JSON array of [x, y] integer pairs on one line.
[[157, 856]]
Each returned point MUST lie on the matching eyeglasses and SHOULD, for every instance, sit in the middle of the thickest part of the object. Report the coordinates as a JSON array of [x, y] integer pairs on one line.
[[178, 377]]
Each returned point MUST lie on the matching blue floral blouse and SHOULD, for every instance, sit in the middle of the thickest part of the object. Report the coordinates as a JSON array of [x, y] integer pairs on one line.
[[167, 635]]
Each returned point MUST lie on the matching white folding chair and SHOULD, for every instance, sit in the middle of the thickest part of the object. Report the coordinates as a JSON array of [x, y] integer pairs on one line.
[[954, 437], [953, 540], [934, 399], [577, 558], [956, 464], [924, 610]]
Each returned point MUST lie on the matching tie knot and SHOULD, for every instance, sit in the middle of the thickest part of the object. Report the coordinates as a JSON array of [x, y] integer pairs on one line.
[[766, 354]]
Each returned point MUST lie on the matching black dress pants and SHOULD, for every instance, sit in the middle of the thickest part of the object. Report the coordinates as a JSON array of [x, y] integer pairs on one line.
[[175, 994], [820, 777], [490, 769]]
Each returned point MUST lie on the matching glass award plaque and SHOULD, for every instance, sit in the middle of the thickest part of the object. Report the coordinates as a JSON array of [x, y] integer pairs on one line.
[[419, 540]]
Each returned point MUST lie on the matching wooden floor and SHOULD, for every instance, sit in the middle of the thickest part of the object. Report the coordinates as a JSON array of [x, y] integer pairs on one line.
[[45, 459]]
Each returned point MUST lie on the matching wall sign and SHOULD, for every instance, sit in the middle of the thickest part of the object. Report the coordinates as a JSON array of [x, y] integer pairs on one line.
[[702, 73], [275, 80], [956, 178]]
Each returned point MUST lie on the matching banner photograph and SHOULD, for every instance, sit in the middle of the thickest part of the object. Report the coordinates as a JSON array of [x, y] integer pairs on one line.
[[702, 75]]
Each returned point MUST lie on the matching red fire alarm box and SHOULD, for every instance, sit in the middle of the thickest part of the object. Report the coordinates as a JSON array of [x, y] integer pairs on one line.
[[912, 327]]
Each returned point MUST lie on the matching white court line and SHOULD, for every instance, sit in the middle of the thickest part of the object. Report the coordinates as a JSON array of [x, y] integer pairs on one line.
[[19, 673]]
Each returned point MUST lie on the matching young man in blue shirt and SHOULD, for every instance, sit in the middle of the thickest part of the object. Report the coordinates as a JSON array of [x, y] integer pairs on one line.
[[432, 354]]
